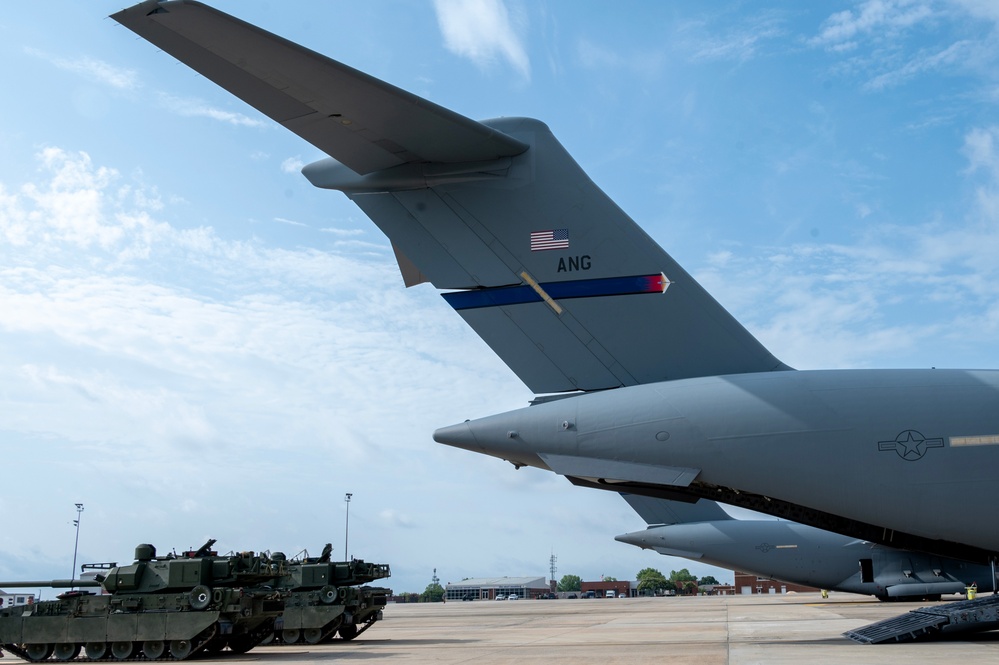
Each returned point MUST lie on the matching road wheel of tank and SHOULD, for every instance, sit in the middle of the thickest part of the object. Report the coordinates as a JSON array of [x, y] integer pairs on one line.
[[348, 631], [328, 595], [267, 640], [290, 635], [38, 652], [200, 597], [96, 650], [123, 650], [312, 635], [181, 649], [66, 651], [153, 649]]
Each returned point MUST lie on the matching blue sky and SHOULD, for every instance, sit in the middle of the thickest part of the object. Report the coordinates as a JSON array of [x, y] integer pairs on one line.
[[196, 343]]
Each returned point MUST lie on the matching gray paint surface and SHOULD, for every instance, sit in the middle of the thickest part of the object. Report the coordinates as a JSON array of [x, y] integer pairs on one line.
[[796, 553]]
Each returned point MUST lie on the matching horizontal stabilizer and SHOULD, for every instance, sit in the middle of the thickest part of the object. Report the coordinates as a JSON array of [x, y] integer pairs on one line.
[[663, 511], [363, 122]]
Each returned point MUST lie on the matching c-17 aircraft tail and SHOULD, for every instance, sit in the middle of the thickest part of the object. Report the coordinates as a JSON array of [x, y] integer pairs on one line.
[[556, 278]]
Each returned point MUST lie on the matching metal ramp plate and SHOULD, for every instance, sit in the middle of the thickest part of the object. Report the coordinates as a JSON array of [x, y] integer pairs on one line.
[[964, 616]]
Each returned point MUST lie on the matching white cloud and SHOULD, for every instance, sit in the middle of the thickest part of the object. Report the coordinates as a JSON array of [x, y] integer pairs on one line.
[[597, 56], [92, 301], [79, 205], [482, 31], [394, 518], [835, 305], [196, 108], [739, 44], [981, 147], [888, 43], [292, 165], [987, 9], [342, 232], [881, 19], [289, 222], [950, 56], [91, 68], [239, 377]]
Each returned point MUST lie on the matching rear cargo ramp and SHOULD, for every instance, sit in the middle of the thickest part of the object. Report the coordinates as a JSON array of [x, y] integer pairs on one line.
[[964, 616]]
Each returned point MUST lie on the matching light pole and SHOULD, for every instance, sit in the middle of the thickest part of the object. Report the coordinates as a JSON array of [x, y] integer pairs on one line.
[[76, 545], [346, 529]]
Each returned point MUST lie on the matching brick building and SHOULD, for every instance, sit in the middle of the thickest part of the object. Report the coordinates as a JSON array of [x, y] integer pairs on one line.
[[747, 584], [601, 588]]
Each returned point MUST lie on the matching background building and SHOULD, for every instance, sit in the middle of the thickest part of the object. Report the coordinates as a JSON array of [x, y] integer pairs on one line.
[[487, 588], [600, 589], [746, 583], [11, 599]]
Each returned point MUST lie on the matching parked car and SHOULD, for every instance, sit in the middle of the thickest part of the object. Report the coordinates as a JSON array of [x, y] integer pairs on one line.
[[513, 596], [501, 596]]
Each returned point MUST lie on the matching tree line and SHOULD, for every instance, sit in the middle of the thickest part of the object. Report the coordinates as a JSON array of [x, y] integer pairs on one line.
[[650, 581]]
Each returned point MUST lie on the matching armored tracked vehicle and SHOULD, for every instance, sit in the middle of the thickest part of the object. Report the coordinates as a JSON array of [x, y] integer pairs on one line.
[[159, 607], [363, 603], [325, 600]]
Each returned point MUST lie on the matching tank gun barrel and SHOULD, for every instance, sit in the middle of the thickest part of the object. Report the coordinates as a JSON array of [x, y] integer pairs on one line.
[[50, 584], [205, 549]]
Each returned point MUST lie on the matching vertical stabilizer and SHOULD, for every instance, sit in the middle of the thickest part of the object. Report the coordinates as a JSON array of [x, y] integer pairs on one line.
[[559, 281]]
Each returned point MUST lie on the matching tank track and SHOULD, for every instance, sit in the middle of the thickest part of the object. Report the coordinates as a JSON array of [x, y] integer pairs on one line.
[[202, 641], [367, 624]]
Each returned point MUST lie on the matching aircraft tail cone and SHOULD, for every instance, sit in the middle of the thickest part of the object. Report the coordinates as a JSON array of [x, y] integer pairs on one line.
[[459, 436], [490, 436], [636, 538]]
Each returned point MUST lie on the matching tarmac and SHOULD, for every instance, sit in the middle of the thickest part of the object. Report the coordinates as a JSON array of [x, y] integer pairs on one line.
[[737, 630]]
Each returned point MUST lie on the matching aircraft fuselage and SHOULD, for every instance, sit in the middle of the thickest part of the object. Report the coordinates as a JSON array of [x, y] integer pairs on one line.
[[898, 451], [804, 555]]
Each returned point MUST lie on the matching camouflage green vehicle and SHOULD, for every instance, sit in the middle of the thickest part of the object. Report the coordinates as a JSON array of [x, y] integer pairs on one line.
[[363, 603], [363, 608], [313, 607], [158, 607], [325, 600]]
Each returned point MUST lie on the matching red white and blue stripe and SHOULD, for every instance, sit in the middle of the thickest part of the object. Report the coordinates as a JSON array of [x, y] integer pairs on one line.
[[582, 288]]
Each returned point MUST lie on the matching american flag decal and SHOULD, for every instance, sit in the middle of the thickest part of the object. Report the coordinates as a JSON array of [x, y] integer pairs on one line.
[[554, 239]]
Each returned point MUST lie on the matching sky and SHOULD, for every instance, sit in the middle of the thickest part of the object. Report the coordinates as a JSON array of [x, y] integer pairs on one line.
[[196, 343]]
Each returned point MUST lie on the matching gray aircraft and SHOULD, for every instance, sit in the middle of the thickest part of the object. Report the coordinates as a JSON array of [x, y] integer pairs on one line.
[[781, 550], [652, 387]]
